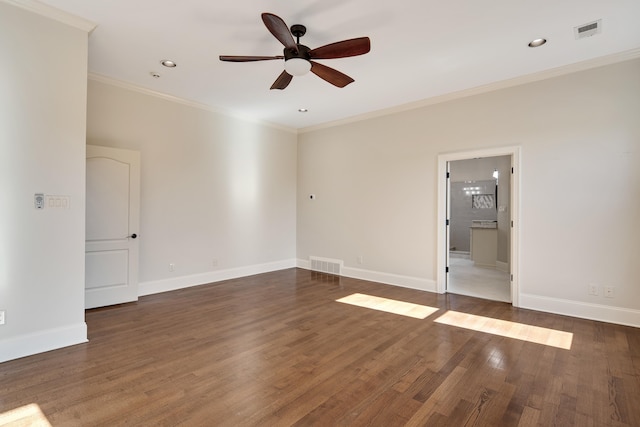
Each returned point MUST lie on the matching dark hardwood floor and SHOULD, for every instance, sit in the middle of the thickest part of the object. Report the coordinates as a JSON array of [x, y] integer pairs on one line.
[[276, 350]]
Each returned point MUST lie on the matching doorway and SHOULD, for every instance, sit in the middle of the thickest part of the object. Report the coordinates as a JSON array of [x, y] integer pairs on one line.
[[479, 227], [478, 199]]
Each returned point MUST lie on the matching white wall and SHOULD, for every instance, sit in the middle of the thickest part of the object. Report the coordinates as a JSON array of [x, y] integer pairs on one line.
[[579, 134], [212, 186], [43, 75]]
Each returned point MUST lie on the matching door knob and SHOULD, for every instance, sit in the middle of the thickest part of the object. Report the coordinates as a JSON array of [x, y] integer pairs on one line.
[[133, 236]]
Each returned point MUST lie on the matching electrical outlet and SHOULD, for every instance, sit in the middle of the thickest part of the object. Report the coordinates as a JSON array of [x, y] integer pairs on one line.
[[360, 259], [172, 267], [1, 317], [609, 291], [593, 289]]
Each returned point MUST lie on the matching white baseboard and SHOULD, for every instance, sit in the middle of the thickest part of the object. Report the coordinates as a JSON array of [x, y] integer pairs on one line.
[[41, 341], [584, 310], [303, 263], [502, 266], [174, 283], [381, 277]]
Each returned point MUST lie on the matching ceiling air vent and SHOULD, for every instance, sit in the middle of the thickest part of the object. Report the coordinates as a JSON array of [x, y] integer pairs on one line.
[[588, 30]]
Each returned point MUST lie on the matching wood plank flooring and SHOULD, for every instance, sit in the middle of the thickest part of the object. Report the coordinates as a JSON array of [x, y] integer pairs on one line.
[[277, 350]]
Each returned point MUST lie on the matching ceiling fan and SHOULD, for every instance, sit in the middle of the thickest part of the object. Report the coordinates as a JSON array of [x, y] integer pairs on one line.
[[299, 58]]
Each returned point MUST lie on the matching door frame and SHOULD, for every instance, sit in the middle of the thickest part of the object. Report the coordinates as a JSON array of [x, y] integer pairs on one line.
[[443, 200]]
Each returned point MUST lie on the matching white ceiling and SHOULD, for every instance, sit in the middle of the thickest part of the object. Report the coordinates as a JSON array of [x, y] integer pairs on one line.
[[420, 49]]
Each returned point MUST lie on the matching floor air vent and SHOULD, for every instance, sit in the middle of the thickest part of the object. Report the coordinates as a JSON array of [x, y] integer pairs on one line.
[[588, 30], [326, 265]]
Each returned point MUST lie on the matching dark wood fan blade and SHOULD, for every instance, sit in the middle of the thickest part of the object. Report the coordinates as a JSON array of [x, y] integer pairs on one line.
[[334, 77], [282, 81], [343, 49], [279, 29], [248, 58]]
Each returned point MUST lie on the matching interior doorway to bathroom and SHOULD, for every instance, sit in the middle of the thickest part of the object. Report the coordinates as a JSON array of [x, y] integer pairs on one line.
[[479, 225], [478, 207]]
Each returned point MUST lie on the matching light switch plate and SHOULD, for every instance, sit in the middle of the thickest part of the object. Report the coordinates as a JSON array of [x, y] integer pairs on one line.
[[38, 200]]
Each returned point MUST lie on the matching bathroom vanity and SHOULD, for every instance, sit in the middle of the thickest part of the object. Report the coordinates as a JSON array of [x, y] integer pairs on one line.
[[484, 243]]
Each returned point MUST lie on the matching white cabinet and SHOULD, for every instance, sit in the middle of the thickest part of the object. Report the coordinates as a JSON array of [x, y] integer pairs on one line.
[[484, 246]]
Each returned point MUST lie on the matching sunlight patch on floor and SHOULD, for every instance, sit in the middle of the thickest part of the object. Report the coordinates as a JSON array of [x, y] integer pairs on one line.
[[27, 415], [387, 305], [505, 328]]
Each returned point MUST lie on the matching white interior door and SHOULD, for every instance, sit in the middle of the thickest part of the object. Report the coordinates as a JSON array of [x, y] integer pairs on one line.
[[112, 221]]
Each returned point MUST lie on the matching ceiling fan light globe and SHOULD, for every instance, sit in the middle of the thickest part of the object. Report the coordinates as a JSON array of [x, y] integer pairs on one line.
[[297, 66]]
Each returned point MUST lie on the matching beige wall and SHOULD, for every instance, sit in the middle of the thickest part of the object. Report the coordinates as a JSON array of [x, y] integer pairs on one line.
[[212, 186], [43, 75], [579, 134]]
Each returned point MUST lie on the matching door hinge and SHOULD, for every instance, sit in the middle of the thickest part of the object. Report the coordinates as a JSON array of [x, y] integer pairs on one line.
[[447, 222], [511, 224], [511, 170], [448, 175], [446, 269], [511, 277]]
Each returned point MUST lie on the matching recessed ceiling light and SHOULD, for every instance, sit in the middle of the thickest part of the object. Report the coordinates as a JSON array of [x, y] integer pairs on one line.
[[537, 42], [302, 110], [168, 63]]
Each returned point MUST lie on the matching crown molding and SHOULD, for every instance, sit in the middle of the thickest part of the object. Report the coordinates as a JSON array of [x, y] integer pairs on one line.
[[529, 78], [53, 13], [135, 88], [517, 81]]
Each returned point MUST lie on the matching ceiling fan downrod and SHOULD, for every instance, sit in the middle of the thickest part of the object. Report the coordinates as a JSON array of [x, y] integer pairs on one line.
[[298, 31]]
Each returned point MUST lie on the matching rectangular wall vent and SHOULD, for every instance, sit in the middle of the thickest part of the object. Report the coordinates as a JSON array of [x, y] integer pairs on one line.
[[588, 30], [326, 265]]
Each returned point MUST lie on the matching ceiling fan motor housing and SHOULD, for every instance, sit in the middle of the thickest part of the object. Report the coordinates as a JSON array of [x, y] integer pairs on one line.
[[303, 53]]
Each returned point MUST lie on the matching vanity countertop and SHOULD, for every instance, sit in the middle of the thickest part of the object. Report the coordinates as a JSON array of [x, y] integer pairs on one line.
[[484, 224]]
